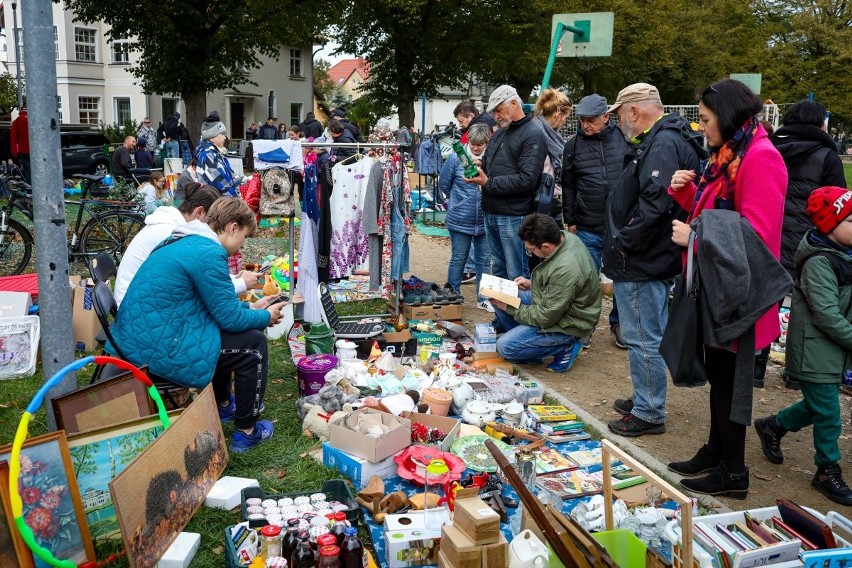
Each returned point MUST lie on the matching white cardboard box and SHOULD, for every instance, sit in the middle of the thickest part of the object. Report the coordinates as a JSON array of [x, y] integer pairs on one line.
[[357, 469], [408, 542]]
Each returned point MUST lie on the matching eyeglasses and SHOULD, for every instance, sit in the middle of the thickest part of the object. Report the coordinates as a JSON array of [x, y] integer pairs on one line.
[[708, 90], [147, 122]]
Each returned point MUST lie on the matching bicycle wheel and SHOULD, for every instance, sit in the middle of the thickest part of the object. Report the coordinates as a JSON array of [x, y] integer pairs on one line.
[[16, 248], [111, 231]]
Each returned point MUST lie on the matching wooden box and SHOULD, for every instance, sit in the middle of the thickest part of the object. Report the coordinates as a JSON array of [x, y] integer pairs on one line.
[[479, 522], [458, 550]]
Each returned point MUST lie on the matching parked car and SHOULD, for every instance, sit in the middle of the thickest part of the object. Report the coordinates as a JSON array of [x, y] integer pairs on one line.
[[83, 153]]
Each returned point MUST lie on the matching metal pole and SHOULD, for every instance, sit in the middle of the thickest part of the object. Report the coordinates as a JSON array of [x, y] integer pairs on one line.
[[57, 342], [557, 37], [17, 54]]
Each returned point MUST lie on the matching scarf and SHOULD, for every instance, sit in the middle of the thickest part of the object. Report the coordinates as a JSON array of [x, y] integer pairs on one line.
[[724, 163]]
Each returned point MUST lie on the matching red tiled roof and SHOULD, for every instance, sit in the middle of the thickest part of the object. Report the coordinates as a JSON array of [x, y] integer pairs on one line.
[[343, 69]]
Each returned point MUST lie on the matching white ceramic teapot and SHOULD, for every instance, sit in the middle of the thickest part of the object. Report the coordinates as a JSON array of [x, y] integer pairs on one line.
[[527, 551], [462, 394], [479, 413]]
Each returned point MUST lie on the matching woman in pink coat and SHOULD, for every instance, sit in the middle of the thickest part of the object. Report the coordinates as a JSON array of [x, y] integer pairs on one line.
[[745, 173]]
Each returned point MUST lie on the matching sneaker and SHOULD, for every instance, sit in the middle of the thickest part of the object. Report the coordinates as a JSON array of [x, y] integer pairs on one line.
[[485, 305], [468, 277], [623, 406], [633, 426], [615, 329], [563, 363], [242, 442], [704, 461], [226, 413], [586, 341], [829, 481]]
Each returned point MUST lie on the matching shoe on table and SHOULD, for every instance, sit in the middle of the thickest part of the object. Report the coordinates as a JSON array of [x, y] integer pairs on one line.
[[829, 481], [563, 363], [633, 426], [719, 483], [615, 329], [468, 278], [623, 406], [242, 442], [770, 434], [485, 305], [704, 461]]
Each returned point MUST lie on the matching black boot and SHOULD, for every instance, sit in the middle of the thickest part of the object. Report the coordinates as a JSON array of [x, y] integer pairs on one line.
[[770, 434], [720, 483], [760, 361], [829, 481], [705, 460]]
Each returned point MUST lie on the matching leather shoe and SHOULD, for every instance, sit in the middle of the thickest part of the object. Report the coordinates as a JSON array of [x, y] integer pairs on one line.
[[720, 483], [702, 462]]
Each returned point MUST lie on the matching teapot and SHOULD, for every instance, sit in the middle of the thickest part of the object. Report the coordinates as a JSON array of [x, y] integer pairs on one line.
[[527, 551], [462, 394], [479, 413]]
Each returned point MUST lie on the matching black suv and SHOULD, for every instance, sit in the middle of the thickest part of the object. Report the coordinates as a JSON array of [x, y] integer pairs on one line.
[[83, 153]]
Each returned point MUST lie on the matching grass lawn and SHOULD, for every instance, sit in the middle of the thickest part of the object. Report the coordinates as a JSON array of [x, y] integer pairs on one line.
[[847, 169]]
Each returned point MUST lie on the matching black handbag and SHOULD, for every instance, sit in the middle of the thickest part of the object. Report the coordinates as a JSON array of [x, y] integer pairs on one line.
[[544, 194], [682, 346]]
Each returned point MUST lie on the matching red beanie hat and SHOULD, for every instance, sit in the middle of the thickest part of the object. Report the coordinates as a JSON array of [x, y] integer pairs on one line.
[[828, 207]]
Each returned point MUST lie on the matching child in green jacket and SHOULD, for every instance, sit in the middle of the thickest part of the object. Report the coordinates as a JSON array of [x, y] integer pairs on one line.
[[819, 340]]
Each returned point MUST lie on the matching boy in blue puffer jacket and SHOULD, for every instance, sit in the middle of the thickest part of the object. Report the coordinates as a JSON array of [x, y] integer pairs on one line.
[[182, 318]]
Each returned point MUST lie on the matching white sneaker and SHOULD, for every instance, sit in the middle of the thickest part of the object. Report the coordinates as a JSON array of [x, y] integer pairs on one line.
[[485, 305]]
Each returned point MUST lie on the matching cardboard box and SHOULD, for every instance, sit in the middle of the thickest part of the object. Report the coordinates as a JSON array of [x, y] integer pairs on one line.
[[458, 550], [83, 318], [475, 518], [442, 560], [484, 333], [484, 347], [496, 555], [448, 312], [15, 304], [408, 542], [357, 469], [425, 337], [399, 344], [492, 368], [449, 426], [344, 435]]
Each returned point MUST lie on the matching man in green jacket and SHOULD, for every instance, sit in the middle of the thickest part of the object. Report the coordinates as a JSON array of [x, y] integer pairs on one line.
[[561, 303]]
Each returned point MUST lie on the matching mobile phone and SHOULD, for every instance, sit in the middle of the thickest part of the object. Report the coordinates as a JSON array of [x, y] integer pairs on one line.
[[265, 269], [277, 300]]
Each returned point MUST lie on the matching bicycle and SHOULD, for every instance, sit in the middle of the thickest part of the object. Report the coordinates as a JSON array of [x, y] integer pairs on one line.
[[109, 226]]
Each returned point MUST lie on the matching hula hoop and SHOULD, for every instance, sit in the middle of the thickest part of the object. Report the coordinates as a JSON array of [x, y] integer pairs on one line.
[[23, 431]]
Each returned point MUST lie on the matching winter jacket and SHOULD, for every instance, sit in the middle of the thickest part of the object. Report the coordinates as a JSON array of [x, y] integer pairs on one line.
[[311, 128], [152, 201], [213, 168], [144, 159], [819, 337], [267, 132], [566, 292], [464, 213], [20, 135], [170, 127], [149, 134], [353, 130], [591, 166], [343, 153], [121, 162], [485, 118], [759, 198], [555, 146], [638, 222], [514, 161], [812, 161], [173, 323]]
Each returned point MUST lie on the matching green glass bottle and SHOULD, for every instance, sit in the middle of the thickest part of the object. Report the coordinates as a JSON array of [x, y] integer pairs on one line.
[[465, 160]]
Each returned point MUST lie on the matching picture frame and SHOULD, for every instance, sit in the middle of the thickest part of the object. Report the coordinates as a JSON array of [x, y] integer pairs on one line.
[[103, 404], [13, 550], [51, 498], [97, 456]]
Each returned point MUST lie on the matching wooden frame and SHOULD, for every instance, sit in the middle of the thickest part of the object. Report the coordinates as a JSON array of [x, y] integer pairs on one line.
[[107, 403], [51, 499], [13, 550]]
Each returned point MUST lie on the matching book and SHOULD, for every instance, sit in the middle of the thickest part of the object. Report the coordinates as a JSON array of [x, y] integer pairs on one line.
[[561, 427], [585, 458], [498, 288], [709, 547], [550, 413], [570, 484], [793, 535], [723, 549], [623, 477], [741, 528], [549, 460], [572, 437]]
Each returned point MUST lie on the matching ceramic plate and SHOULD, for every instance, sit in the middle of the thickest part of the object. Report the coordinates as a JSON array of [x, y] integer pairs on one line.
[[474, 453]]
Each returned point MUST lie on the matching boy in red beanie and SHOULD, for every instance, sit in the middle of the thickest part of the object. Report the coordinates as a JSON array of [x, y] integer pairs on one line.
[[819, 340]]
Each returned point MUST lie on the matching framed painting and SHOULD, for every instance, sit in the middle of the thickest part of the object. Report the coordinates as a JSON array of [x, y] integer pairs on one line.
[[51, 498], [103, 404], [13, 550], [97, 456], [159, 492]]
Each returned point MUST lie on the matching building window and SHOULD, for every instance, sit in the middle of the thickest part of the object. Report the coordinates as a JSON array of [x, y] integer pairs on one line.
[[296, 63], [169, 106], [120, 49], [59, 107], [122, 110], [90, 110], [85, 47], [270, 107], [295, 113], [56, 43]]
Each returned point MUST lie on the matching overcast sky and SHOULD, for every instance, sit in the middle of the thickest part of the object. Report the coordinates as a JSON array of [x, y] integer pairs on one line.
[[325, 53]]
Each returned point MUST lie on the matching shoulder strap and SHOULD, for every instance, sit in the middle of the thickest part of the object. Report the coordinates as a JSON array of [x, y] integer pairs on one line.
[[842, 270]]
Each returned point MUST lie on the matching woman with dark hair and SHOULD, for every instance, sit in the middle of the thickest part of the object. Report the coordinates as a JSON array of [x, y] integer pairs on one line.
[[745, 173]]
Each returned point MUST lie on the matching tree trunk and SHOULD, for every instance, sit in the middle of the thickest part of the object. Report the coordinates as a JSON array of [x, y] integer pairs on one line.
[[406, 112], [195, 101]]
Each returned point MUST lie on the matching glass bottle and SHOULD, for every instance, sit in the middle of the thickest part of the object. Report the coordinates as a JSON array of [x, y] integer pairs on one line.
[[338, 529], [525, 466], [352, 551], [436, 473], [291, 539], [303, 556], [327, 539], [329, 557], [465, 160], [270, 541]]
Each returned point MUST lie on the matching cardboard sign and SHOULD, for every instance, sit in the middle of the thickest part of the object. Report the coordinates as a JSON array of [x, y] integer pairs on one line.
[[15, 304], [83, 317]]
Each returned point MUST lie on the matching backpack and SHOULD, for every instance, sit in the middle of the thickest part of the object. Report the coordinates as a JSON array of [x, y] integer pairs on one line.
[[276, 193]]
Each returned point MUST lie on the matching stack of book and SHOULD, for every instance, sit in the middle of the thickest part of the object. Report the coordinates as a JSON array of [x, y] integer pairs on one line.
[[747, 543]]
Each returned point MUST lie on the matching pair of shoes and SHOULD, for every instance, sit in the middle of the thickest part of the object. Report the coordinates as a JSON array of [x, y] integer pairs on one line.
[[719, 482], [226, 413], [829, 481], [242, 442], [770, 434], [615, 330], [562, 363], [468, 277], [452, 295], [704, 461], [586, 341], [633, 426], [485, 305], [623, 406]]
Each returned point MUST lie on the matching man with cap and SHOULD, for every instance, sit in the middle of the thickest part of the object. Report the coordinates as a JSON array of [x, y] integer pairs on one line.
[[144, 158], [638, 254], [353, 130], [212, 165], [591, 166], [509, 178]]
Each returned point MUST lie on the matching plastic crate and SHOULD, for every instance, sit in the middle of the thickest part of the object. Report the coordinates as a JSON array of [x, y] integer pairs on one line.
[[21, 283], [334, 489], [701, 559], [230, 552]]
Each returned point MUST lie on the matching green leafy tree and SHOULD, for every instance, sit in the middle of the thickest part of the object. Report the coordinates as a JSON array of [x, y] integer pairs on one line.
[[8, 92], [83, 459], [323, 83], [339, 99], [366, 111], [192, 47]]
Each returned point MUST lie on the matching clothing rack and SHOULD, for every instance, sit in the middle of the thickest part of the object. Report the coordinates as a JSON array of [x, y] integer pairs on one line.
[[358, 146]]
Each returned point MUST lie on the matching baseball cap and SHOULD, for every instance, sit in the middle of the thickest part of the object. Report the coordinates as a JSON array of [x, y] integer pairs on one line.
[[591, 105], [636, 93], [500, 95]]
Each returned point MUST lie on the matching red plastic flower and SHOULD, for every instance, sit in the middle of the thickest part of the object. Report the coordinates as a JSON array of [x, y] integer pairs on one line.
[[31, 495], [40, 521]]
